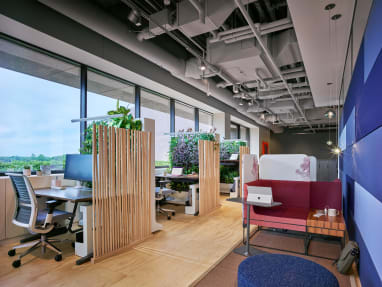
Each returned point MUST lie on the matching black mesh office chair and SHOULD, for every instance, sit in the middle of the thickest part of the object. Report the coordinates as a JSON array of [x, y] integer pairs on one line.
[[28, 216]]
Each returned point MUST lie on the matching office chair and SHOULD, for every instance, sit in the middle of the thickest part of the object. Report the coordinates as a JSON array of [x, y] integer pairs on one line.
[[160, 194], [28, 215]]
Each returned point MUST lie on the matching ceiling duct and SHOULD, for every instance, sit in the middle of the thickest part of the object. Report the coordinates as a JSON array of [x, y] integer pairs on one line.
[[192, 17], [285, 48], [87, 14]]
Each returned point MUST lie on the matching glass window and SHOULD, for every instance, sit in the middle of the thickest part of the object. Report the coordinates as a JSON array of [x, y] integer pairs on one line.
[[206, 121], [39, 97], [244, 134], [234, 131], [184, 117], [158, 108], [103, 93]]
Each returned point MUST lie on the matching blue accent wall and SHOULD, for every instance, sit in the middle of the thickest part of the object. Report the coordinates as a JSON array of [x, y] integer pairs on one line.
[[361, 159]]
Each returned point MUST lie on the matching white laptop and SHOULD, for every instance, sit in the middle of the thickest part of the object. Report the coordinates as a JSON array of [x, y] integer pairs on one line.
[[260, 194]]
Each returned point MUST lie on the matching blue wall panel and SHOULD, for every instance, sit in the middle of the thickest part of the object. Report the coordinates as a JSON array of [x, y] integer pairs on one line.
[[372, 37], [369, 105], [367, 162], [361, 159]]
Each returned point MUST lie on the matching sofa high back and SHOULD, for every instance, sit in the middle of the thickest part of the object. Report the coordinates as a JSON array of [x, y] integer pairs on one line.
[[290, 193], [324, 193]]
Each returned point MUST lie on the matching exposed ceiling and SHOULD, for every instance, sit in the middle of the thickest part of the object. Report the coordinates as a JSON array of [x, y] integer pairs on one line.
[[245, 53]]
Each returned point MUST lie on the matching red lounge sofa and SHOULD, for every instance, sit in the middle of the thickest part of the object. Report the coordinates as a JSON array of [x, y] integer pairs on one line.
[[297, 198]]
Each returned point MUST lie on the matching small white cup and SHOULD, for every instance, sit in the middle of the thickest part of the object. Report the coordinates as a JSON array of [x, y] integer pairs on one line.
[[333, 212]]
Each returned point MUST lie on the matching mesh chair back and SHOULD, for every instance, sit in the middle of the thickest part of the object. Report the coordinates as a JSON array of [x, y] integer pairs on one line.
[[26, 202]]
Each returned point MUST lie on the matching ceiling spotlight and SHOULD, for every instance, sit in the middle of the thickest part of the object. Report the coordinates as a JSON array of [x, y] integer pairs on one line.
[[330, 114], [241, 102], [330, 6], [262, 116], [329, 142], [202, 67], [336, 17], [250, 103], [336, 150], [135, 17], [235, 89]]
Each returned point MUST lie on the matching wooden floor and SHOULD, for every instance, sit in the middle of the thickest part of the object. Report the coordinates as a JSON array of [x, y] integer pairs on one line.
[[180, 255]]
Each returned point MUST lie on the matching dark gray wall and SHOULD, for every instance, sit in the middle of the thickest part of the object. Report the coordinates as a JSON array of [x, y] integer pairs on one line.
[[310, 144]]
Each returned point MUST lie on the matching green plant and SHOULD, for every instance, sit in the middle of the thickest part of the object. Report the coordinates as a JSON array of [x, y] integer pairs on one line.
[[228, 173], [126, 122], [230, 147], [184, 150], [27, 167]]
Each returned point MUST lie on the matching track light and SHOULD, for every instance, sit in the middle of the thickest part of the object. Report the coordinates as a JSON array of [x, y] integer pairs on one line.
[[330, 114], [329, 142], [262, 116], [135, 17], [250, 103], [235, 89], [241, 102], [202, 66]]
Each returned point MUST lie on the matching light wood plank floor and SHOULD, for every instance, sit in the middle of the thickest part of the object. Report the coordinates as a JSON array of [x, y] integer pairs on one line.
[[180, 255]]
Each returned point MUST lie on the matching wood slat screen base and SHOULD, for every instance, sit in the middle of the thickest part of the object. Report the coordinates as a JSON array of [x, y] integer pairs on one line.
[[121, 189], [327, 225], [209, 176], [243, 150]]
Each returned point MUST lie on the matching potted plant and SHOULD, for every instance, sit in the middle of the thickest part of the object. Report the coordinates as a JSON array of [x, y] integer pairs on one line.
[[38, 172], [27, 170]]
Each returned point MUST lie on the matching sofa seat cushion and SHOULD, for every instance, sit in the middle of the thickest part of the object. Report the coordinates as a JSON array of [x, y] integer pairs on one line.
[[282, 214]]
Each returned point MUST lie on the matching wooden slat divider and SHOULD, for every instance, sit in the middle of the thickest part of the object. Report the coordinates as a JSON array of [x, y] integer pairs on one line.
[[243, 150], [209, 176], [121, 189]]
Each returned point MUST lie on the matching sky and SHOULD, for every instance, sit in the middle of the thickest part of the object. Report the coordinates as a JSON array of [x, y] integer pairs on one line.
[[36, 114]]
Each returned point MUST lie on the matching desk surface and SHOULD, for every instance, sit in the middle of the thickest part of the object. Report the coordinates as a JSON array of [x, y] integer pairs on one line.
[[241, 200], [67, 194]]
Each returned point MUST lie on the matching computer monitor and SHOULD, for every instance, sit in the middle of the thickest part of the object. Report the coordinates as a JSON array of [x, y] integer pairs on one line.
[[79, 167]]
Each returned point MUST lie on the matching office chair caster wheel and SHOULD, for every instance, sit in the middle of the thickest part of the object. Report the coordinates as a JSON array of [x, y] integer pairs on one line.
[[12, 252], [168, 217], [173, 214], [58, 257], [16, 263]]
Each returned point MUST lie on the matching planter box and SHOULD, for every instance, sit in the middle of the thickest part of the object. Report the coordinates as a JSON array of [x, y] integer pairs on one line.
[[225, 187]]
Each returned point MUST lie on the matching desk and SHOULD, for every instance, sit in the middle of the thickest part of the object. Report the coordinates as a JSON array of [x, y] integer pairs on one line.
[[193, 180], [69, 194], [247, 250]]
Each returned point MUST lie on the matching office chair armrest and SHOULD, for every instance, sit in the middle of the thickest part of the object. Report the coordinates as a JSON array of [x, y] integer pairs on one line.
[[52, 204]]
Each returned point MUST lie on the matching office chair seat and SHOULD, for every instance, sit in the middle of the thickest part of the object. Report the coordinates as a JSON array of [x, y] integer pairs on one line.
[[58, 215]]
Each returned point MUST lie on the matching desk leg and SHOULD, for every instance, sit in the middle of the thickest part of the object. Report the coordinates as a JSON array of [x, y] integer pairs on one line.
[[72, 218], [194, 208], [85, 259], [248, 250]]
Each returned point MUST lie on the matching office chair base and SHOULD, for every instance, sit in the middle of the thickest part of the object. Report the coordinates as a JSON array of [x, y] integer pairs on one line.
[[43, 242]]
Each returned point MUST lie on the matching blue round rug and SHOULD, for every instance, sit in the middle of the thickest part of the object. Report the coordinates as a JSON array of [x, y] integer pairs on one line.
[[283, 270]]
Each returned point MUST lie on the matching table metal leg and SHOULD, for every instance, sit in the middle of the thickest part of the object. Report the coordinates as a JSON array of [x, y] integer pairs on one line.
[[248, 250], [84, 259]]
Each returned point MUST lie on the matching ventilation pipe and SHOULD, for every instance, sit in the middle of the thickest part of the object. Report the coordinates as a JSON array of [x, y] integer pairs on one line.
[[85, 13], [199, 6], [269, 56]]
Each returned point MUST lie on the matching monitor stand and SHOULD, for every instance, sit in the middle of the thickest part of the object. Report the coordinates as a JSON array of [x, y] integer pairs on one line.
[[78, 185]]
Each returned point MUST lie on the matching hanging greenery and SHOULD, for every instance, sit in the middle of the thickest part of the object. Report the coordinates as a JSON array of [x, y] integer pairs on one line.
[[126, 121]]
